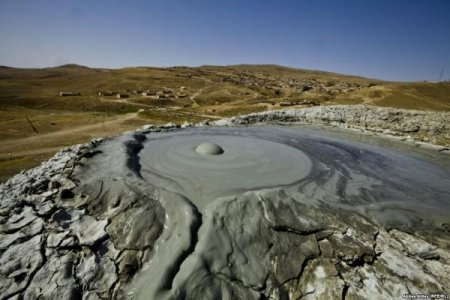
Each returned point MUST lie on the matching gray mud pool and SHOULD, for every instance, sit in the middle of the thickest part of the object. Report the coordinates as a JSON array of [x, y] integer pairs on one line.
[[225, 213]]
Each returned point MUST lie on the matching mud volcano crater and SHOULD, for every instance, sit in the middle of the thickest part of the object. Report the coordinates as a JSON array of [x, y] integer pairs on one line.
[[254, 212], [239, 164]]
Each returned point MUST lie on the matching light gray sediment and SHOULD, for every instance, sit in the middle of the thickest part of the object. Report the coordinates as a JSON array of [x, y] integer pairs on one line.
[[285, 212], [427, 126]]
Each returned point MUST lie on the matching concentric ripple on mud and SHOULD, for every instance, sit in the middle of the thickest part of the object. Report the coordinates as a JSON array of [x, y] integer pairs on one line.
[[247, 163], [327, 170]]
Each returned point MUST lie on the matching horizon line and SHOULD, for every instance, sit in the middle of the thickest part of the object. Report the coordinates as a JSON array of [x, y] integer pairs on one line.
[[206, 65]]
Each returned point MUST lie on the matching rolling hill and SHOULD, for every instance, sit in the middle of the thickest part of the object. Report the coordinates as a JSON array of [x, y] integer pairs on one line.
[[35, 120]]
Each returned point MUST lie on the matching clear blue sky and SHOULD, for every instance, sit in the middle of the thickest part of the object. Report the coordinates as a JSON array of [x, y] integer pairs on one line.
[[390, 39]]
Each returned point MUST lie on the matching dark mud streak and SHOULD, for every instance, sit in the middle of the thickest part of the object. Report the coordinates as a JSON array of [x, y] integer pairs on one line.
[[100, 190], [175, 268], [132, 148], [344, 291], [284, 228]]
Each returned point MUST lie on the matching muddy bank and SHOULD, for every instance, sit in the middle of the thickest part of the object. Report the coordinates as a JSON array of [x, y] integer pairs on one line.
[[145, 216]]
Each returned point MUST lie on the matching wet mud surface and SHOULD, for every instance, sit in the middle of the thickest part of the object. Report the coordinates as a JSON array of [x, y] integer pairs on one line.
[[284, 212], [244, 222]]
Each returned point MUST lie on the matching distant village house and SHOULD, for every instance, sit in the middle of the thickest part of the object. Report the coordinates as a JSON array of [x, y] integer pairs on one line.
[[65, 94], [148, 93], [105, 93], [122, 95], [164, 96]]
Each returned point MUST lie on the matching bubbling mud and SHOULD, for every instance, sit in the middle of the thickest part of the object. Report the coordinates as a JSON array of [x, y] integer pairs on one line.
[[245, 164], [209, 149]]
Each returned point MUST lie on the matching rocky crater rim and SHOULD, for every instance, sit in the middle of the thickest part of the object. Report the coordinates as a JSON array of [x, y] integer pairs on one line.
[[428, 127]]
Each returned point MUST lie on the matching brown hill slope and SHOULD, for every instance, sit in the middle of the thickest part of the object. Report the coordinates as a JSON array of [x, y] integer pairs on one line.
[[176, 94]]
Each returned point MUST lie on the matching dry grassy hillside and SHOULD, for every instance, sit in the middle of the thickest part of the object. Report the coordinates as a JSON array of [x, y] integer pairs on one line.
[[35, 120]]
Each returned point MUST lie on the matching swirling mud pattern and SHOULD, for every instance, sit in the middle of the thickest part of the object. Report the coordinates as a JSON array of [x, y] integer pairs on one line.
[[221, 211], [324, 170]]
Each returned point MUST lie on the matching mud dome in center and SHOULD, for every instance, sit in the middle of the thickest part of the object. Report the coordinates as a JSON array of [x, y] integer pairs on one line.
[[248, 163]]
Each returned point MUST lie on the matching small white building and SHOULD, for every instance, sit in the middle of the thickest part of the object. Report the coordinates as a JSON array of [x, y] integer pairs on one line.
[[122, 95], [105, 93], [65, 94]]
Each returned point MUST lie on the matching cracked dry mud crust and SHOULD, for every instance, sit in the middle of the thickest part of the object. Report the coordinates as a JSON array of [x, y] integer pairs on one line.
[[68, 235]]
